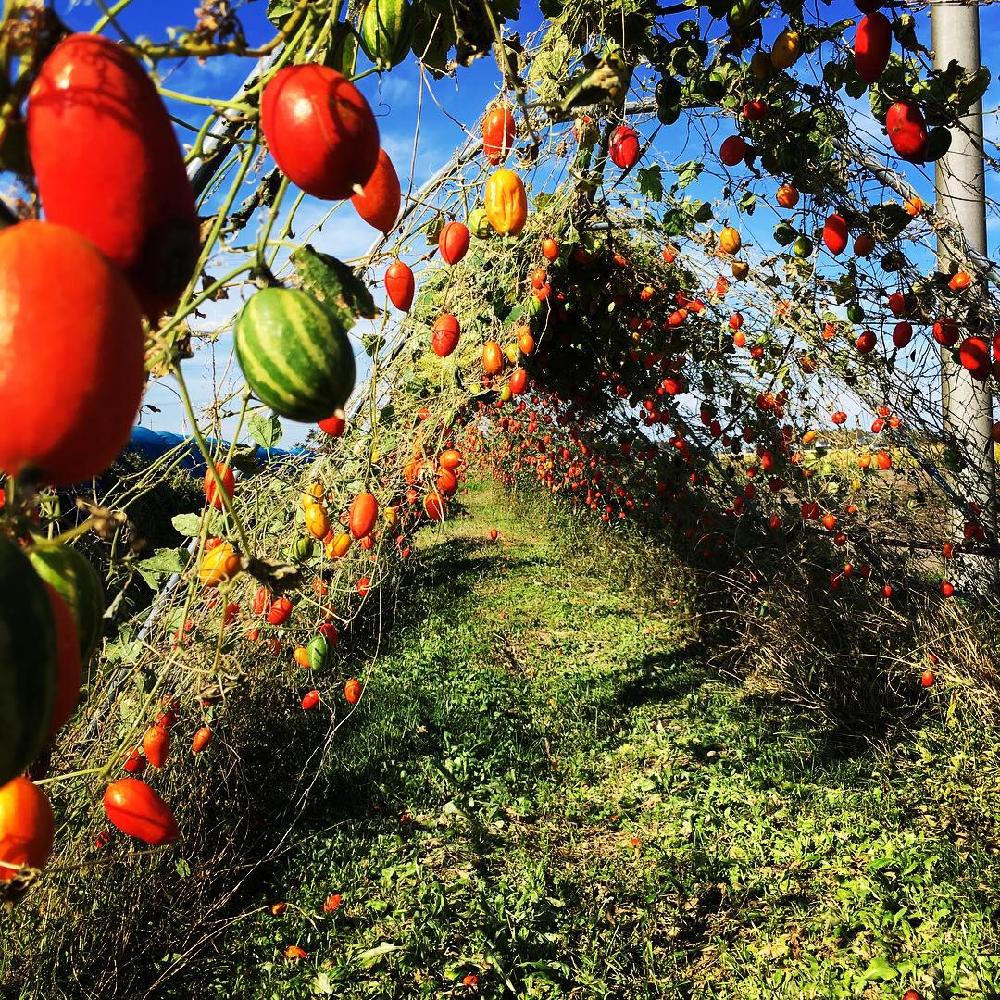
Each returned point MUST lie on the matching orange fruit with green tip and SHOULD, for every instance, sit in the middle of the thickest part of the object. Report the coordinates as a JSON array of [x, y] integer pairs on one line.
[[493, 358], [730, 241], [317, 521], [219, 564]]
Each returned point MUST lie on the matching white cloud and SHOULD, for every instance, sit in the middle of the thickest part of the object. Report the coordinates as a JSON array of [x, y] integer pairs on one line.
[[395, 89], [219, 77]]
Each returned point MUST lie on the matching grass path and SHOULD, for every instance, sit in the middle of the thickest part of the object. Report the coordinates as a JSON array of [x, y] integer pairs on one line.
[[548, 795]]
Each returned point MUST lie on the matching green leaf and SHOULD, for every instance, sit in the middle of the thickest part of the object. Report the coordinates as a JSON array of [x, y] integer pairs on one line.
[[278, 11], [748, 203], [650, 181], [188, 525], [265, 429], [373, 955], [877, 864], [124, 651], [129, 708], [334, 284], [372, 343], [160, 565], [880, 969], [688, 173], [321, 986], [432, 38], [440, 26], [701, 211]]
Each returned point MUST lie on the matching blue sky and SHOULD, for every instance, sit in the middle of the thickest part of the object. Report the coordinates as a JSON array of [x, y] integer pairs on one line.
[[457, 103], [393, 98]]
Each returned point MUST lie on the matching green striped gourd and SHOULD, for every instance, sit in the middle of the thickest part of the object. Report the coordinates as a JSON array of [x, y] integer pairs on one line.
[[70, 573], [27, 662], [386, 32], [295, 354], [318, 651], [301, 549]]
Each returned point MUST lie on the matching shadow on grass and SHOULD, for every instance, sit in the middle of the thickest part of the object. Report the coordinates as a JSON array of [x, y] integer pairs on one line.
[[664, 677]]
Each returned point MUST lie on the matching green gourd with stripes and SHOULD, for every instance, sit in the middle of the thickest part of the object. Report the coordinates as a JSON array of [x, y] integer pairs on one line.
[[295, 354]]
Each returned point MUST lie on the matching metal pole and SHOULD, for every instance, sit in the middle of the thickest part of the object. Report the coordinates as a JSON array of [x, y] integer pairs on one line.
[[959, 181]]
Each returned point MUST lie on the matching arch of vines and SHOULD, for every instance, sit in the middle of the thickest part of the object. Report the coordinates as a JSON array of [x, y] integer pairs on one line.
[[676, 343]]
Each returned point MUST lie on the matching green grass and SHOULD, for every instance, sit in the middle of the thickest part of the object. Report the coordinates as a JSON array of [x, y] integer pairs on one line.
[[545, 787]]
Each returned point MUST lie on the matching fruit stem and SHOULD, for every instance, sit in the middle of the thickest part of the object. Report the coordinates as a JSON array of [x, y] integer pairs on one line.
[[56, 778], [272, 217], [212, 102], [71, 533]]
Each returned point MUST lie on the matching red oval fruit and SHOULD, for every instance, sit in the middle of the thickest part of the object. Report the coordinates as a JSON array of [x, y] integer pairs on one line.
[[434, 507], [899, 303], [201, 740], [378, 203], [623, 147], [732, 150], [835, 234], [352, 691], [904, 122], [498, 133], [445, 334], [310, 700], [945, 331], [865, 343], [493, 358], [71, 355], [135, 763], [335, 425], [364, 514], [135, 809], [156, 745], [262, 600], [518, 381], [280, 611], [902, 334], [212, 495], [400, 285], [320, 130], [453, 242], [447, 482], [974, 356], [27, 828], [67, 659], [872, 43], [107, 164]]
